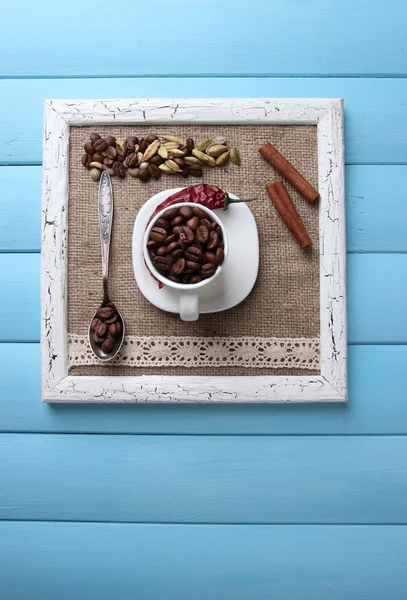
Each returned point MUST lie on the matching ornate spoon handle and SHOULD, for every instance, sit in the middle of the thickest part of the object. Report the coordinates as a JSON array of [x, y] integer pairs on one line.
[[105, 209]]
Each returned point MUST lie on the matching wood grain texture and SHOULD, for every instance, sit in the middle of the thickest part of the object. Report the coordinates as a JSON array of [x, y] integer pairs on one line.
[[238, 41], [376, 404], [204, 479], [375, 115], [180, 562], [376, 291], [376, 208]]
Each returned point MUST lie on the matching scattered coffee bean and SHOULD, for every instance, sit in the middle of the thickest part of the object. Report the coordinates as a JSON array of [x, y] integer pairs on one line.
[[98, 158], [111, 152], [86, 160], [190, 146], [100, 145], [89, 149], [143, 145], [120, 155], [94, 137], [110, 140], [144, 175], [118, 169], [154, 171], [108, 162], [156, 160]]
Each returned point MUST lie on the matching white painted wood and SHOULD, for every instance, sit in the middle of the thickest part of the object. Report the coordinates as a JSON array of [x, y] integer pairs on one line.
[[58, 386]]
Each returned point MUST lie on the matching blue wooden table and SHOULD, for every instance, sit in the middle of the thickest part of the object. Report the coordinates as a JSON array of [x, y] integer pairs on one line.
[[209, 502]]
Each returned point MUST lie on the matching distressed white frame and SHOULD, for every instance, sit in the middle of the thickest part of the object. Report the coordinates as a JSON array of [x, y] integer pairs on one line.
[[58, 386]]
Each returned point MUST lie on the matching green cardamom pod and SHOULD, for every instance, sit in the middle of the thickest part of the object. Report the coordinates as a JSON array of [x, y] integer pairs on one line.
[[235, 156], [222, 159], [207, 160], [202, 146], [192, 160], [216, 150]]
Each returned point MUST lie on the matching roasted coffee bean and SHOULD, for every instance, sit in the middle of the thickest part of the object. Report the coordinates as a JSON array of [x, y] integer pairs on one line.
[[185, 173], [208, 270], [118, 169], [162, 263], [196, 244], [89, 149], [186, 234], [118, 326], [94, 323], [100, 145], [186, 278], [170, 214], [180, 162], [131, 160], [158, 234], [199, 212], [178, 267], [215, 226], [171, 238], [120, 155], [211, 258], [130, 145], [105, 312], [101, 329], [174, 278], [144, 175], [108, 162], [186, 212], [196, 279], [86, 160], [97, 339], [221, 245], [143, 145], [213, 240], [195, 170], [107, 345], [156, 160], [154, 171], [194, 254], [151, 138], [110, 140], [177, 254], [113, 330], [193, 223], [111, 152], [163, 223], [176, 229], [94, 137], [98, 158], [190, 146], [171, 247], [191, 265], [220, 256], [202, 234], [176, 221], [112, 319], [206, 223], [151, 244], [161, 251]]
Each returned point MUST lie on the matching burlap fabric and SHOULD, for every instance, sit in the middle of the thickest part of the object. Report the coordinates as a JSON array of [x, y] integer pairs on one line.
[[285, 300]]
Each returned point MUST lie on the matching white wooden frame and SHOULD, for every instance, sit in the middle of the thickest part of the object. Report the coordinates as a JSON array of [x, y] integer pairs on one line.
[[58, 386]]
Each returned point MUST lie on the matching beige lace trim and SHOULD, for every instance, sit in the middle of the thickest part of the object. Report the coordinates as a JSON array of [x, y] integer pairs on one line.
[[273, 353]]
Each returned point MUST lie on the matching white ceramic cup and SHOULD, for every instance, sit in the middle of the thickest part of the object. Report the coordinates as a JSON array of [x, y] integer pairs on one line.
[[188, 293]]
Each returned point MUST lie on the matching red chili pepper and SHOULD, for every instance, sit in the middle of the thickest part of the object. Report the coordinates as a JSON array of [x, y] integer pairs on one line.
[[208, 195]]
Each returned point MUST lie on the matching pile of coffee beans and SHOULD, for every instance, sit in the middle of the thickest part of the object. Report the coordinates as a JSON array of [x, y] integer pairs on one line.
[[186, 245], [150, 156], [106, 327]]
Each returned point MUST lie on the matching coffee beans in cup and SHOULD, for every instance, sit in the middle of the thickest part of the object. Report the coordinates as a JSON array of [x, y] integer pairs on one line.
[[185, 245]]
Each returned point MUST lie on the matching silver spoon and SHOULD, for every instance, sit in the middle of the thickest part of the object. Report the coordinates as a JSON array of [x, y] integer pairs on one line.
[[105, 210]]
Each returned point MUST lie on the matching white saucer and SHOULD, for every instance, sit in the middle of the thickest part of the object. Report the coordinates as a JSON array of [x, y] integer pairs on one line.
[[238, 275]]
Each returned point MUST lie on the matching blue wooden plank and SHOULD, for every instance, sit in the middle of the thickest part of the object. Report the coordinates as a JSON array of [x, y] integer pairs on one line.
[[45, 561], [375, 115], [256, 38], [376, 208], [20, 200], [376, 404], [377, 286], [204, 479]]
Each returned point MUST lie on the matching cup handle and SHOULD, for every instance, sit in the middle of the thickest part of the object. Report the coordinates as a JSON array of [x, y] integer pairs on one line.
[[188, 305]]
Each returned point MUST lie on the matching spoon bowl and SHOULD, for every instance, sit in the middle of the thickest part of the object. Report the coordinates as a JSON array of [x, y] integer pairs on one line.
[[105, 210], [97, 348]]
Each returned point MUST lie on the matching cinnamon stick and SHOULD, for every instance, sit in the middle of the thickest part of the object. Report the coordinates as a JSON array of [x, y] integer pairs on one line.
[[283, 166], [283, 203]]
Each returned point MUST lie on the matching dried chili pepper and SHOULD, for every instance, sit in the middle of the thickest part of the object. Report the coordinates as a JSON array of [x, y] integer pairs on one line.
[[209, 196]]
